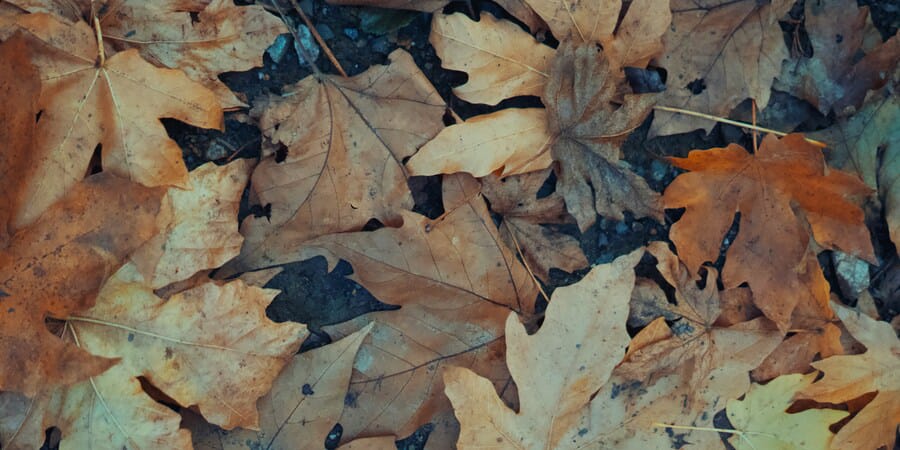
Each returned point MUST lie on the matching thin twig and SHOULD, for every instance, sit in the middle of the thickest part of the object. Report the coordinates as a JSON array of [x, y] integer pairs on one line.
[[753, 114], [734, 122], [537, 283], [305, 54], [318, 37]]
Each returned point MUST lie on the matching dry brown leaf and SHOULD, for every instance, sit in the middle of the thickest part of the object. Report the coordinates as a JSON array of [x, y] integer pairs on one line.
[[345, 167], [372, 443], [712, 359], [717, 54], [582, 339], [55, 267], [850, 376], [769, 250], [868, 143], [203, 38], [837, 76], [589, 129], [516, 199], [20, 86], [506, 142], [210, 346], [305, 402], [579, 21], [455, 282], [116, 103], [203, 233], [501, 59]]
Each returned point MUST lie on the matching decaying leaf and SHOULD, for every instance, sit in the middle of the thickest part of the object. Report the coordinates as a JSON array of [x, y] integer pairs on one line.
[[524, 214], [589, 130], [713, 359], [305, 402], [115, 102], [580, 342], [201, 38], [850, 376], [768, 252], [345, 167], [762, 419], [717, 54], [55, 267], [455, 282], [837, 76], [868, 143]]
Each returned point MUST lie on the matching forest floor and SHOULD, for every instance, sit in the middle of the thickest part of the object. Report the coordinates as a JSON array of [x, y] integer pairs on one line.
[[361, 37]]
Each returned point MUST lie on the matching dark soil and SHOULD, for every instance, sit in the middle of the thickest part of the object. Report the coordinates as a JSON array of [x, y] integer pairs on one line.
[[361, 37]]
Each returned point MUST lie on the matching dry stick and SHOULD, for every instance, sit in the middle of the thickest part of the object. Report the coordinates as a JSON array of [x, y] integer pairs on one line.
[[305, 54], [100, 50], [318, 37], [735, 123], [753, 114]]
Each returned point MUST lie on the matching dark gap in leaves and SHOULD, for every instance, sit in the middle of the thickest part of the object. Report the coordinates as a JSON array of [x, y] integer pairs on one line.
[[201, 145], [372, 225], [54, 326], [697, 86], [644, 81], [417, 440], [794, 32], [469, 110], [727, 240], [312, 295], [316, 339], [52, 436], [447, 118], [674, 215], [37, 117], [334, 437], [195, 17], [95, 166], [281, 153], [720, 421], [157, 395], [549, 186], [426, 192]]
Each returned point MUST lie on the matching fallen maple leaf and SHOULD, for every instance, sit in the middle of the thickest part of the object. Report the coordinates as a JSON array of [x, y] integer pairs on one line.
[[772, 241], [589, 130], [87, 100], [582, 339], [455, 282], [201, 38], [524, 214], [346, 167], [837, 75], [717, 54], [305, 402], [714, 359], [54, 268], [848, 377], [762, 421], [868, 143]]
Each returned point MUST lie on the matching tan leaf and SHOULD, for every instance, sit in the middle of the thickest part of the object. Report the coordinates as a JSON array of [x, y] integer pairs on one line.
[[582, 339], [763, 421], [501, 59], [455, 282], [837, 75], [116, 103], [203, 233], [55, 267], [717, 54], [372, 443], [222, 38], [524, 217], [578, 20], [305, 402], [589, 130], [850, 376], [345, 167], [507, 142], [868, 143], [769, 250]]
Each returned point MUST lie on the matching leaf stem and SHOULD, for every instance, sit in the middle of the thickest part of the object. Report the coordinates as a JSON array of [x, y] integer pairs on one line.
[[733, 122], [100, 50]]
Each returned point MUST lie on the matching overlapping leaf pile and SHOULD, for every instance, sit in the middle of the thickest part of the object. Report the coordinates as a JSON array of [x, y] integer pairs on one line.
[[113, 332]]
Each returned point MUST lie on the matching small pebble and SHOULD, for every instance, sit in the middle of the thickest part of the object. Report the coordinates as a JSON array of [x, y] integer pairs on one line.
[[351, 33], [381, 45], [278, 48], [658, 169], [308, 43], [602, 241], [621, 228], [325, 31]]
